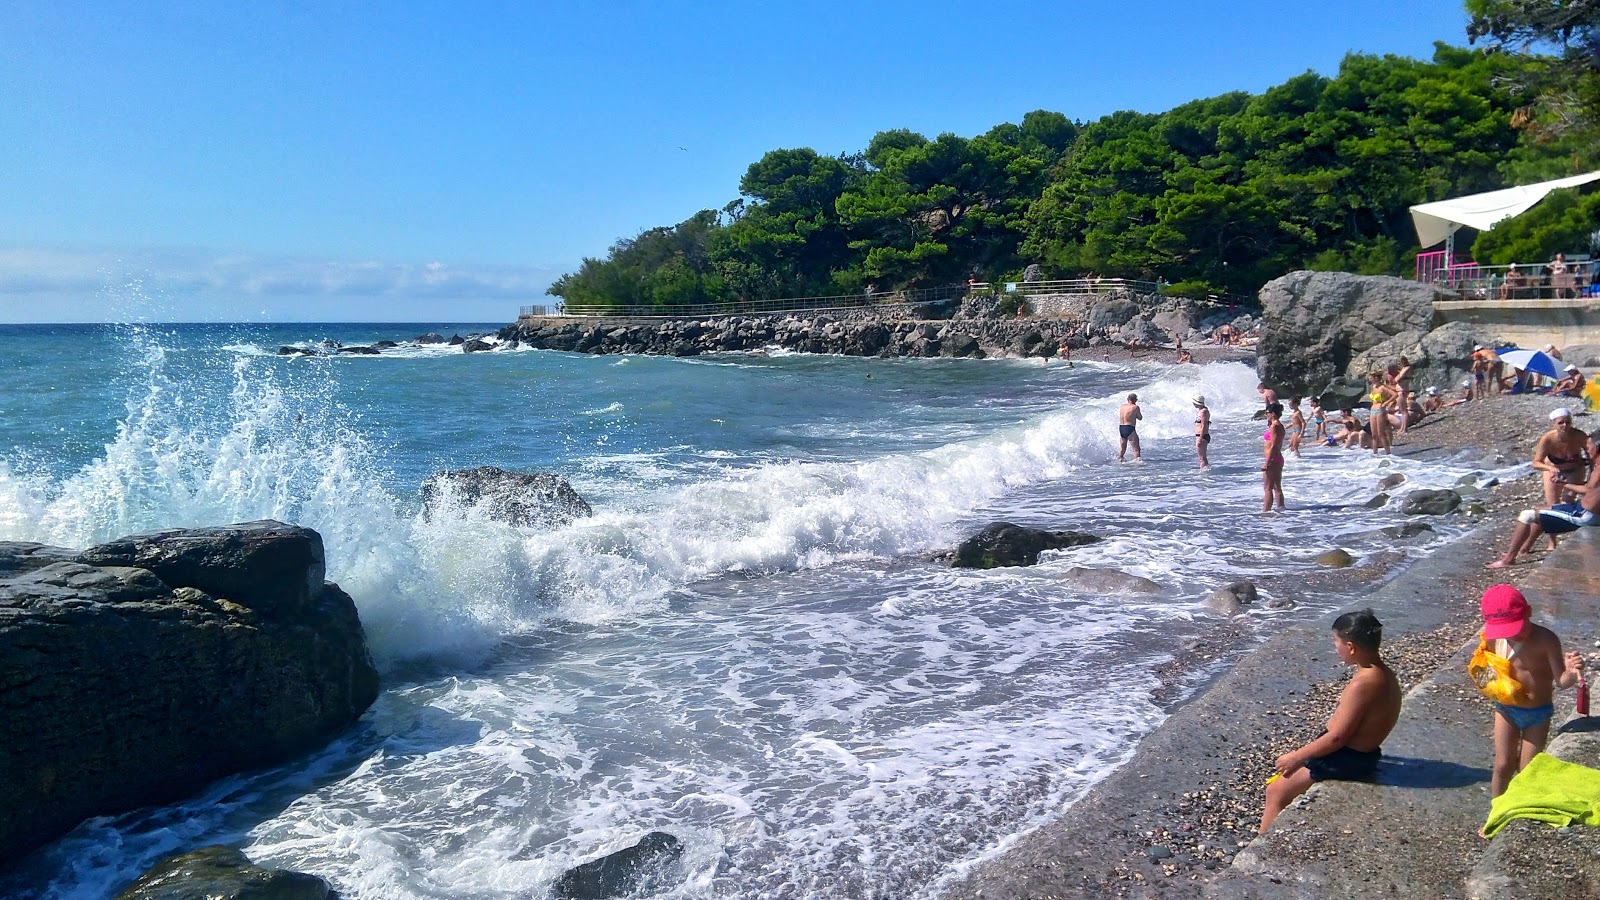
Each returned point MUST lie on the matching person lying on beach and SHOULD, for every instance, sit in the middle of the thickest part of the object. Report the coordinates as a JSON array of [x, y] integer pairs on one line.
[[1521, 681], [1570, 386], [1562, 456], [1432, 403], [1355, 431], [1465, 396], [1349, 748], [1560, 518]]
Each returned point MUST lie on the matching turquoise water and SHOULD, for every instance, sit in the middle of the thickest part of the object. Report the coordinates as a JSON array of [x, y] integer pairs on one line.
[[745, 645]]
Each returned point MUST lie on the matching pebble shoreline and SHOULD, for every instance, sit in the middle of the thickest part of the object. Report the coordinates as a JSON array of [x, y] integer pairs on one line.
[[1131, 841]]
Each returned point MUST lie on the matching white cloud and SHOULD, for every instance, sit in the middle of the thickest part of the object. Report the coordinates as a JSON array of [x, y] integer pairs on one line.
[[38, 284]]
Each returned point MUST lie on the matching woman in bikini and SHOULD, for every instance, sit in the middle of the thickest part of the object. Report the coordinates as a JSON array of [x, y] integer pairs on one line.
[[1395, 377], [1202, 429], [1383, 398], [1560, 455], [1272, 469]]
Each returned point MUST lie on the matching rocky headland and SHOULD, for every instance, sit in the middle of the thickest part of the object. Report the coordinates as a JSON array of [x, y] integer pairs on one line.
[[136, 671]]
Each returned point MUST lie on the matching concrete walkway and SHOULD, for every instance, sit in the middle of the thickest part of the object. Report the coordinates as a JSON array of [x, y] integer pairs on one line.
[[1415, 835]]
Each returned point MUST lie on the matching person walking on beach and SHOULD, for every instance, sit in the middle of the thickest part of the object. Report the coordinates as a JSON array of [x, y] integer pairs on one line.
[[1350, 747], [1272, 469], [1128, 427], [1202, 429], [1518, 666]]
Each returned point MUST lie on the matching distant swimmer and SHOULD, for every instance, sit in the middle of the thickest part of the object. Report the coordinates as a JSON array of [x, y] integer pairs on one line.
[[1128, 426], [1202, 429]]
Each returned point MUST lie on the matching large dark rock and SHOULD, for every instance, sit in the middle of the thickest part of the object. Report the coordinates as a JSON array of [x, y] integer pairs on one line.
[[523, 499], [153, 664], [1232, 599], [1441, 358], [222, 873], [430, 338], [1429, 502], [638, 871], [1315, 323], [1343, 393], [1004, 544]]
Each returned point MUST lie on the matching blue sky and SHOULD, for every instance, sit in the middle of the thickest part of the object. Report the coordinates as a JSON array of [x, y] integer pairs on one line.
[[445, 161]]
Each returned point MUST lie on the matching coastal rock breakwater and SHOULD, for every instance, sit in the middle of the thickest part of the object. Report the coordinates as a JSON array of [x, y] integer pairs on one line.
[[138, 670], [980, 327]]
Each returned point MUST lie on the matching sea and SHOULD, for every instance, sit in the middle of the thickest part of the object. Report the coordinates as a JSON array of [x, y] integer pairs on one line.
[[750, 645]]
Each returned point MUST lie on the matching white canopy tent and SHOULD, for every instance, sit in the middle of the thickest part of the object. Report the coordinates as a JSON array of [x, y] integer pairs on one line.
[[1439, 221]]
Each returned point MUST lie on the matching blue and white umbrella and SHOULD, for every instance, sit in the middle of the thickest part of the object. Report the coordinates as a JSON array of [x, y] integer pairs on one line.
[[1536, 361]]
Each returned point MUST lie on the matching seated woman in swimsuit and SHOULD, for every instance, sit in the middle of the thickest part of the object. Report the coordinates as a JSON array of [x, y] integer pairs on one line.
[[1560, 456]]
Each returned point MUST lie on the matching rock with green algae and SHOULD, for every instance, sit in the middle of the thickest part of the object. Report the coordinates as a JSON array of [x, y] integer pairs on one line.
[[222, 873]]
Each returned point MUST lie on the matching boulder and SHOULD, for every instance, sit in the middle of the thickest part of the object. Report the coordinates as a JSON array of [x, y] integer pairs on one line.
[[359, 351], [1408, 530], [1232, 599], [644, 869], [385, 345], [151, 665], [522, 499], [429, 338], [1378, 502], [1004, 544], [476, 346], [1110, 581], [1343, 393], [1336, 559], [1111, 312], [222, 873], [1430, 502], [1391, 480], [1315, 323], [295, 351]]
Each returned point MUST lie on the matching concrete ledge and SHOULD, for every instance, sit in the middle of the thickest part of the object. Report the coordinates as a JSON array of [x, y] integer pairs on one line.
[[1531, 323]]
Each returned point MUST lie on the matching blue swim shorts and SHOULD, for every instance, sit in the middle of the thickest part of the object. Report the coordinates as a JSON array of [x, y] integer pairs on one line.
[[1525, 717], [1565, 517]]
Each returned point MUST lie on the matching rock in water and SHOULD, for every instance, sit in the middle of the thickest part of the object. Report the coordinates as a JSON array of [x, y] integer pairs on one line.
[[522, 499], [1336, 559], [1108, 581], [153, 664], [222, 873], [1004, 544], [1393, 480], [1428, 502], [1378, 502], [1408, 530], [1232, 599], [640, 870]]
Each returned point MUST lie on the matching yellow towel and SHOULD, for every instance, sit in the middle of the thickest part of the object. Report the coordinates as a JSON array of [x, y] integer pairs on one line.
[[1548, 790]]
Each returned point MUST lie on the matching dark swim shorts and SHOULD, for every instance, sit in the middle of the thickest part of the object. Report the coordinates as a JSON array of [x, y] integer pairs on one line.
[[1345, 764], [1565, 517], [1127, 431]]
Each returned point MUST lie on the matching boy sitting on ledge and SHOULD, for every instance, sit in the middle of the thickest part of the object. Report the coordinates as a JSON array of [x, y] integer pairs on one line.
[[1349, 749]]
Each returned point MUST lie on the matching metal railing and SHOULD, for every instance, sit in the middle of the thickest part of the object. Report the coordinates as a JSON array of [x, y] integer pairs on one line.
[[1519, 281], [756, 307]]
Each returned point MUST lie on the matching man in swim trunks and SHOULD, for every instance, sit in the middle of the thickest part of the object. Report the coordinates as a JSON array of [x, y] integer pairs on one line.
[[1558, 519], [1128, 426], [1349, 749], [1538, 665]]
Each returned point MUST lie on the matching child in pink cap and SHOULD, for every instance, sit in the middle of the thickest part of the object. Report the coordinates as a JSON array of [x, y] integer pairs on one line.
[[1538, 665]]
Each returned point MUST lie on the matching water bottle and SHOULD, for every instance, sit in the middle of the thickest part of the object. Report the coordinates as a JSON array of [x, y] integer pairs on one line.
[[1583, 694]]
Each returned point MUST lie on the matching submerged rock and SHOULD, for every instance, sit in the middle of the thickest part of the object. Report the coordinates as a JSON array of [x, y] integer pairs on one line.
[[1391, 480], [640, 870], [1430, 502], [1336, 559], [1408, 530], [522, 499], [222, 873], [148, 666], [1377, 502], [1111, 581], [1232, 599], [1004, 544]]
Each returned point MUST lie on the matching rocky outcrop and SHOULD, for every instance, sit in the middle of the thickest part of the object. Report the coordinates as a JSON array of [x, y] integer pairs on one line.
[[1315, 323], [222, 873], [641, 870], [150, 665], [1004, 544], [522, 499], [1232, 599]]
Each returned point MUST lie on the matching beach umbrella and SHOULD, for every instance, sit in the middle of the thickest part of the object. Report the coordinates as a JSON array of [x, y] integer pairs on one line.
[[1536, 361]]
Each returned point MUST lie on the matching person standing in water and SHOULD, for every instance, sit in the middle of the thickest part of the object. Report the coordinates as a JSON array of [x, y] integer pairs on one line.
[[1297, 426], [1128, 427], [1202, 429], [1272, 469]]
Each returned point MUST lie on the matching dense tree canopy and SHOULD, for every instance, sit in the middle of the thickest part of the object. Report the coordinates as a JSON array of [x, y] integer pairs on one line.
[[1220, 194]]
